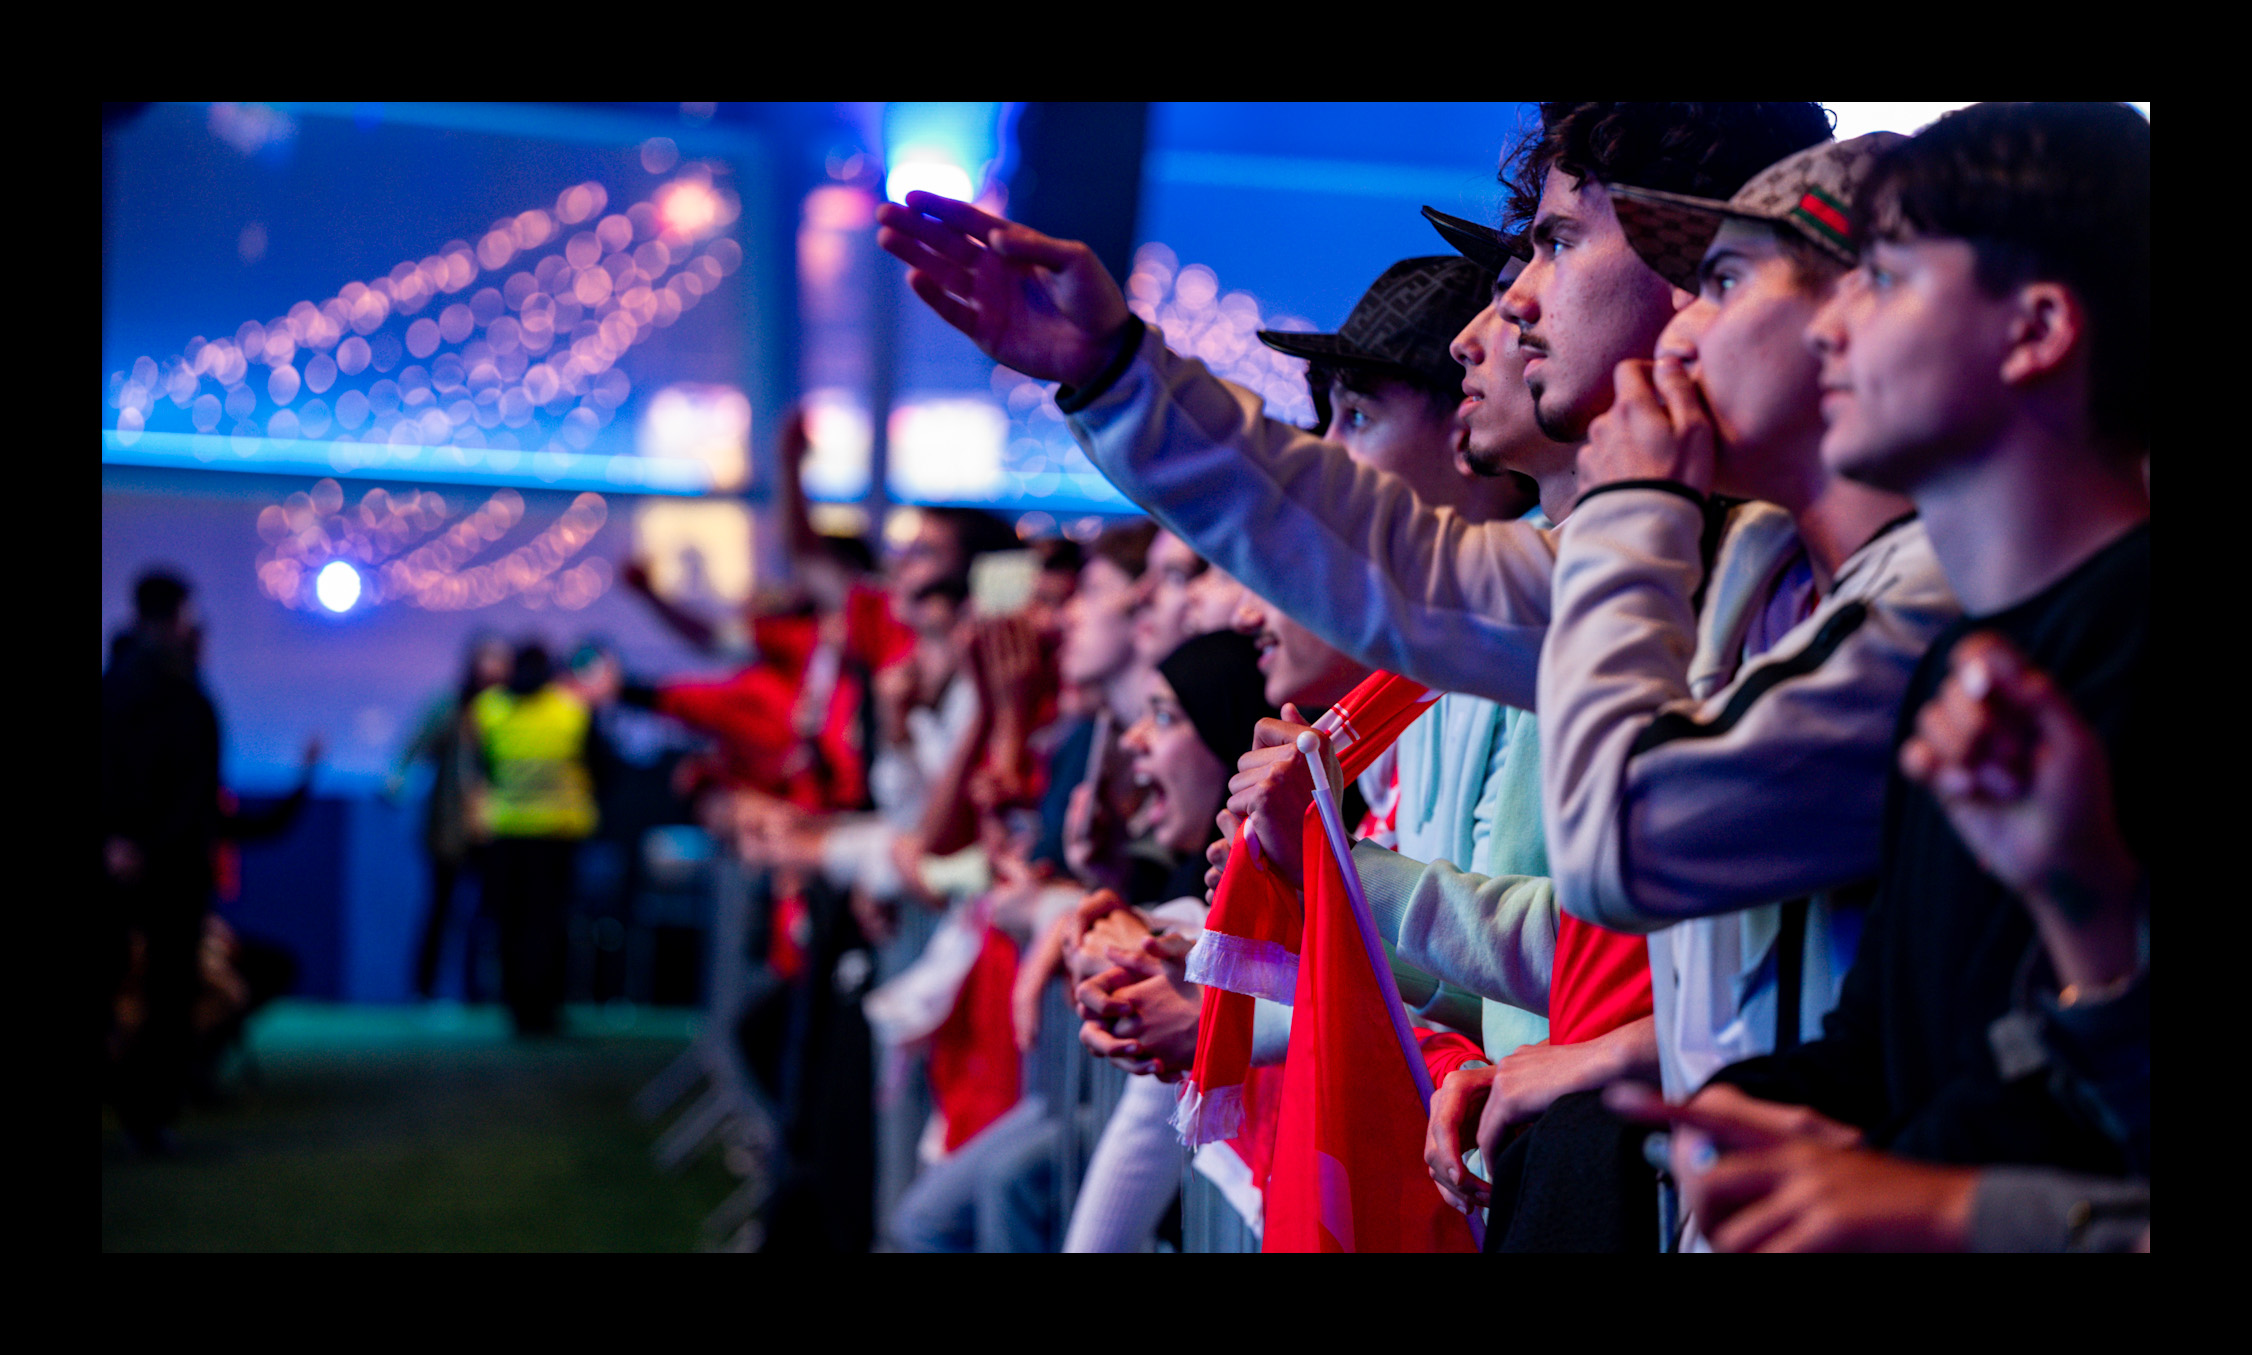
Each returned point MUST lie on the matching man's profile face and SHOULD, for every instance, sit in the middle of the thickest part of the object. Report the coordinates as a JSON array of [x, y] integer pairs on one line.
[[1911, 351], [1743, 341], [1496, 413], [1584, 304]]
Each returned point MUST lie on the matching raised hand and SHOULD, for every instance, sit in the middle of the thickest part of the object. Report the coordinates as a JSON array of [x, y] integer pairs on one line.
[[1045, 307]]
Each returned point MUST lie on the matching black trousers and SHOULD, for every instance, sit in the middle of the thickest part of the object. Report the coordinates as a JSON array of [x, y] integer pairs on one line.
[[528, 888], [445, 883], [167, 907], [1574, 1181]]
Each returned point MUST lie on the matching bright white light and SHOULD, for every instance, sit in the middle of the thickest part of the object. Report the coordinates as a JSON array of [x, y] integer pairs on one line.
[[929, 174], [337, 586], [1859, 119]]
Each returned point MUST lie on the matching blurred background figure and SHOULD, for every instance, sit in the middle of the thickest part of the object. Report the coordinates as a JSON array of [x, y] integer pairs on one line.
[[538, 753], [165, 818], [450, 835]]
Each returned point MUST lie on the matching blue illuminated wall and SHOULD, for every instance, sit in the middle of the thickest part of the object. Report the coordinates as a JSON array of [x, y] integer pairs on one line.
[[484, 292], [1303, 205]]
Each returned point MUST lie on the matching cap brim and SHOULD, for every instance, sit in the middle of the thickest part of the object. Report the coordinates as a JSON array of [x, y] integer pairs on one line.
[[1481, 245], [1671, 231], [1319, 347]]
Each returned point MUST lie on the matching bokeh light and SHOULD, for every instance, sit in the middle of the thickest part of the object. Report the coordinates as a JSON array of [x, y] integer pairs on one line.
[[927, 174]]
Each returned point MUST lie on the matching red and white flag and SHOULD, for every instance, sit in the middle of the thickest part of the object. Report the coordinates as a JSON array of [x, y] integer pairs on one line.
[[1346, 1169], [1252, 935]]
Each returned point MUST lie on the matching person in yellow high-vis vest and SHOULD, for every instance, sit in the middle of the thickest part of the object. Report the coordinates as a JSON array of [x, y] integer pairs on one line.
[[537, 749]]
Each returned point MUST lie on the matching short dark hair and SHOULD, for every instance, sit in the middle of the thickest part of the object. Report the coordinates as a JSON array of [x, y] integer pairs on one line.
[[849, 553], [1058, 554], [1126, 546], [532, 669], [2042, 191], [977, 531], [955, 588], [1707, 150], [158, 596], [1368, 378]]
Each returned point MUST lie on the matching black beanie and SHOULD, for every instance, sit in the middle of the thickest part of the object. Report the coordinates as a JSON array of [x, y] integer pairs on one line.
[[1216, 679]]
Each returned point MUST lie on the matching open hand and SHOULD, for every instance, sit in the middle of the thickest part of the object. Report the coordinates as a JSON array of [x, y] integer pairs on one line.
[[1045, 307]]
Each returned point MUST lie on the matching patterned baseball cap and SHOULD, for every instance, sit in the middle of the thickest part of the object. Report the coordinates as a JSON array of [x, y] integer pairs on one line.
[[1810, 192], [1408, 318], [1492, 250]]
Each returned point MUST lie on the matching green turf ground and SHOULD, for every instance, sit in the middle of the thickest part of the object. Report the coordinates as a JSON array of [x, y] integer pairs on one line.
[[419, 1129]]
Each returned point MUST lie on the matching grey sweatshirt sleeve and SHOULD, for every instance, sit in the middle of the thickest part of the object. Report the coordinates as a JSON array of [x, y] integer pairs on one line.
[[2037, 1209], [1492, 935], [1346, 551], [1661, 807]]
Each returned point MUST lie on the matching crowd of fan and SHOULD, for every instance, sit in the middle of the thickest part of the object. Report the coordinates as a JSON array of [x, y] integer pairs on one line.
[[1799, 486]]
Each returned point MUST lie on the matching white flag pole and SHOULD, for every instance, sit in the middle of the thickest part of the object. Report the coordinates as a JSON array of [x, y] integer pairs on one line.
[[1341, 847]]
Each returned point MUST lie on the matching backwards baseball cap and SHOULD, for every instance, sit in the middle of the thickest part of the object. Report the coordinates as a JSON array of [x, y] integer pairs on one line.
[[1407, 319], [1495, 251], [1809, 192]]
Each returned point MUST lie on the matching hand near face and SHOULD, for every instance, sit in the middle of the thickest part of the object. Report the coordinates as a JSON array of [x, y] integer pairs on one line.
[[1043, 306], [1657, 428]]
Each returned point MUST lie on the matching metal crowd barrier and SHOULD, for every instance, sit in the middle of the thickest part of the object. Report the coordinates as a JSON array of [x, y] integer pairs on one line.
[[731, 1109]]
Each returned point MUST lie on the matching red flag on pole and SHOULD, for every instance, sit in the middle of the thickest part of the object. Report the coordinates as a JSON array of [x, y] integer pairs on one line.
[[1347, 1170], [1251, 937]]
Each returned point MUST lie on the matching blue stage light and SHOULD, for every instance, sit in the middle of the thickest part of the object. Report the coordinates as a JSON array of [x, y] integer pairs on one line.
[[337, 586]]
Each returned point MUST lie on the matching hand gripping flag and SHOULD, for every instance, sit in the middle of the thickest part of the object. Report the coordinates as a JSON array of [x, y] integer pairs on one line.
[[1348, 1171], [1254, 905], [1251, 937]]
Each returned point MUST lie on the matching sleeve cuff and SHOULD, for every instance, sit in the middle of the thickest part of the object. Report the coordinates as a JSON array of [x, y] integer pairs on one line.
[[1072, 399], [2026, 1209], [1674, 487]]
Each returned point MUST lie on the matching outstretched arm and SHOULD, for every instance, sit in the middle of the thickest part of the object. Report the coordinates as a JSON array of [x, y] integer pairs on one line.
[[1345, 550]]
